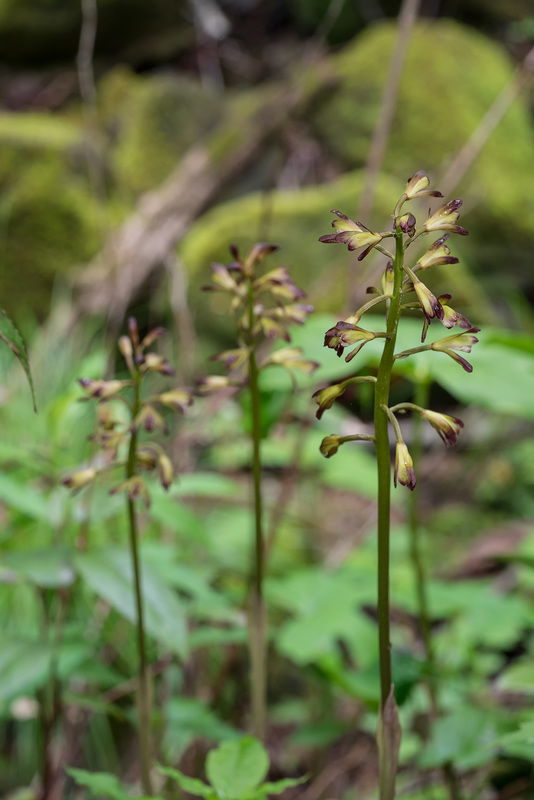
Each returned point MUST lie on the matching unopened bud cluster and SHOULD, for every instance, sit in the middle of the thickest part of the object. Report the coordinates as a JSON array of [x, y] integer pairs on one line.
[[117, 439], [347, 337], [263, 307]]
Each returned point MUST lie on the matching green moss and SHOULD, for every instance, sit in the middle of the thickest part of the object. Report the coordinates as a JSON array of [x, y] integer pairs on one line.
[[452, 76], [48, 223], [156, 120]]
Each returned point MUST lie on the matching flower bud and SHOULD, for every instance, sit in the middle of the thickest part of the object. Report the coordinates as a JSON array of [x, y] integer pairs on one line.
[[213, 383], [156, 363], [406, 223], [78, 480], [404, 471], [166, 471], [325, 397], [330, 445]]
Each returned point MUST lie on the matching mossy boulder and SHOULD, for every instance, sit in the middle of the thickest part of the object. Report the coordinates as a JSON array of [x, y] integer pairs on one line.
[[452, 76], [152, 122], [48, 216]]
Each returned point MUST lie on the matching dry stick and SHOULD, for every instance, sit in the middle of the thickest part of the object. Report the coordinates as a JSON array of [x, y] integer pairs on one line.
[[472, 148]]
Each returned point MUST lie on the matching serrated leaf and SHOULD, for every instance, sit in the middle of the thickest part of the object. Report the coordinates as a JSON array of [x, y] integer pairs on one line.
[[11, 336], [236, 768]]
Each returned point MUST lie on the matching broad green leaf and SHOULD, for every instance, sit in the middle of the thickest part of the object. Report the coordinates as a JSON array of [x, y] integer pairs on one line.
[[519, 677], [188, 719], [25, 664], [191, 785], [235, 769], [48, 569], [109, 573], [11, 336], [23, 497], [99, 783], [462, 737]]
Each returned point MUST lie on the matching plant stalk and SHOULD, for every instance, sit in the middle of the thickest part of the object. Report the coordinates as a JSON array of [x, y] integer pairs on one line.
[[144, 700], [383, 380], [257, 622]]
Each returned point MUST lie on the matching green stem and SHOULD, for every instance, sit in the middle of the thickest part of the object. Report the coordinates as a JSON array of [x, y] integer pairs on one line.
[[257, 627], [144, 722], [383, 458]]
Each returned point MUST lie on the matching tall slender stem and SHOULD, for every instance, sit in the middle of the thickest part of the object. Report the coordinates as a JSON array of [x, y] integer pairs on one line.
[[383, 458], [257, 611], [144, 732]]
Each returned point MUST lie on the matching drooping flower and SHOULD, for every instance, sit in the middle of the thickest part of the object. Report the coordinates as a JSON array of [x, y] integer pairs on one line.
[[404, 471], [279, 282], [291, 358], [344, 334], [233, 359], [448, 427], [429, 302], [436, 255], [78, 480], [149, 419], [135, 488], [101, 390], [325, 397], [331, 444], [178, 399], [445, 218], [462, 342], [212, 383], [452, 317], [416, 186], [353, 234]]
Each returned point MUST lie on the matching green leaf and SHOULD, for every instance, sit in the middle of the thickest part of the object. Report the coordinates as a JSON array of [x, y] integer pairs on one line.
[[109, 573], [276, 787], [463, 737], [11, 336], [24, 498], [99, 783], [519, 677], [49, 569], [236, 768], [191, 785]]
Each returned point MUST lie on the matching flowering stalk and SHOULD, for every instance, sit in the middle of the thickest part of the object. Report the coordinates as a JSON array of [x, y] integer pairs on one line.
[[263, 307], [399, 279], [113, 436]]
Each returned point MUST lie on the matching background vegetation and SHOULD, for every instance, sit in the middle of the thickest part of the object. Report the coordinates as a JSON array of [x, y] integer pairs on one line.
[[135, 146]]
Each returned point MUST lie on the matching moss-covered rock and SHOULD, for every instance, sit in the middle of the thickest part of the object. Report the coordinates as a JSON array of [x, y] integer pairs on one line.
[[48, 223], [153, 121], [451, 77]]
